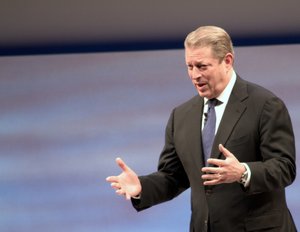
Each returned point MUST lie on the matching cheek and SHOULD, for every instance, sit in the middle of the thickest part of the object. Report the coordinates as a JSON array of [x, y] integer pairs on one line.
[[211, 78], [190, 74], [213, 81]]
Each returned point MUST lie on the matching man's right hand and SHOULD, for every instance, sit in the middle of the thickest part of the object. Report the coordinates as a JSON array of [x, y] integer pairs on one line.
[[127, 183]]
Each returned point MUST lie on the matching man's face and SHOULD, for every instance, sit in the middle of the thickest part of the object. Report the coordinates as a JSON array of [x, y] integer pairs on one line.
[[208, 74]]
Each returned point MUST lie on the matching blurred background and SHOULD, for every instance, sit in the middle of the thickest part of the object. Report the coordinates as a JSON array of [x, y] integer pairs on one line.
[[84, 82]]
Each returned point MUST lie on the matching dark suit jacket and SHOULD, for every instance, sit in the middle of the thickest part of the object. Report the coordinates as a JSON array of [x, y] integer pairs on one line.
[[257, 129]]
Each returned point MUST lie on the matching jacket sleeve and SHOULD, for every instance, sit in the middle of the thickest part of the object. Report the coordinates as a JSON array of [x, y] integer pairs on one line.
[[277, 169]]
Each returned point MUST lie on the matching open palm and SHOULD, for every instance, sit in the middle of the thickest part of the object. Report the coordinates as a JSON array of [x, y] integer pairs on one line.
[[127, 183]]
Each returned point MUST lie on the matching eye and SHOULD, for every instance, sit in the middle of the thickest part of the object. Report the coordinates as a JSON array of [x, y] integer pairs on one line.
[[202, 67], [190, 67]]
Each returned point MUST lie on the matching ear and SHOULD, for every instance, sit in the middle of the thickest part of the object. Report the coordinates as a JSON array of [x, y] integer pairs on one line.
[[229, 59]]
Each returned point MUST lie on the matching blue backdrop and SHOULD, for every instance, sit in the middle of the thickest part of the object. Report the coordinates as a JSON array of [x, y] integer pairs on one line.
[[65, 118]]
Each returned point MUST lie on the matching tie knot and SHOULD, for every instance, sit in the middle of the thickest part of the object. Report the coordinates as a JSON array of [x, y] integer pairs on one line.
[[212, 102]]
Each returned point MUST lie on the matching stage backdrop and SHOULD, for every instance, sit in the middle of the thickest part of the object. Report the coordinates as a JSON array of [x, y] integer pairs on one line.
[[65, 118]]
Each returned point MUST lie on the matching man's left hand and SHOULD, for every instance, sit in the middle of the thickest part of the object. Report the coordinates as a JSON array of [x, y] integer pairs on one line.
[[224, 171]]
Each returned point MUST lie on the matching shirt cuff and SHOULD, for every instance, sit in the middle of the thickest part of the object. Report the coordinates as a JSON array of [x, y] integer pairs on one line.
[[247, 183], [137, 197]]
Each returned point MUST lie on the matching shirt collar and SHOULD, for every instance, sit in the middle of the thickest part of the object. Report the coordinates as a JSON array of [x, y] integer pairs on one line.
[[224, 96]]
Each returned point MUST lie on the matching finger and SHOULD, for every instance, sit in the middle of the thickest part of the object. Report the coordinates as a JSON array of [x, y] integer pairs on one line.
[[211, 182], [120, 192], [212, 179], [211, 176], [112, 179], [224, 150], [211, 170], [217, 162], [115, 185], [122, 164], [128, 197]]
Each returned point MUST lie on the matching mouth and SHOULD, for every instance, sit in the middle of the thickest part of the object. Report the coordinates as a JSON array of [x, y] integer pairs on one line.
[[200, 85]]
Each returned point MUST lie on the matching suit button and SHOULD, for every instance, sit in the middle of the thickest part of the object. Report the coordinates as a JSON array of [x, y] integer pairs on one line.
[[208, 192]]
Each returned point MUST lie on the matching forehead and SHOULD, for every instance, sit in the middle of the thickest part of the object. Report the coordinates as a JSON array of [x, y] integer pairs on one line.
[[198, 54]]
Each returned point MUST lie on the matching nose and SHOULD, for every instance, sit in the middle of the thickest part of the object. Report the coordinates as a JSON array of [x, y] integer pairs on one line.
[[196, 74]]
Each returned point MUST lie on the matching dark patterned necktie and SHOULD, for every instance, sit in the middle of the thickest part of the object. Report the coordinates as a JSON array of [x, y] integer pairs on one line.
[[208, 132]]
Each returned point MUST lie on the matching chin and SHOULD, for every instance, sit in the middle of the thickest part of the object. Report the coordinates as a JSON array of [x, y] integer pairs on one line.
[[203, 94]]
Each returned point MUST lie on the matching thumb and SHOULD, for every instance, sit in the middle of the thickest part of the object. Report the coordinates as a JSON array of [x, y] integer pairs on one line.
[[224, 150], [127, 196], [122, 164]]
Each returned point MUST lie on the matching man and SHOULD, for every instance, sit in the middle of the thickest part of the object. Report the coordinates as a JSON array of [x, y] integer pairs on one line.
[[241, 187]]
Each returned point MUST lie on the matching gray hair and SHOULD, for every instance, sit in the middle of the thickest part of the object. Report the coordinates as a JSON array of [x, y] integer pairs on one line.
[[210, 36]]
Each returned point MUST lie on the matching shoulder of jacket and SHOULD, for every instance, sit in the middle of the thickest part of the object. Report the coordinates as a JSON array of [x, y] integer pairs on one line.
[[196, 100]]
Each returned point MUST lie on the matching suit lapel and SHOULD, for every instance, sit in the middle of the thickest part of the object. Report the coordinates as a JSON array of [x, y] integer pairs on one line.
[[194, 119], [233, 112]]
